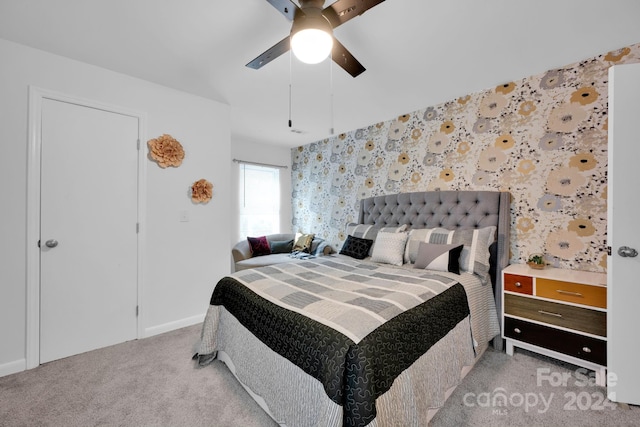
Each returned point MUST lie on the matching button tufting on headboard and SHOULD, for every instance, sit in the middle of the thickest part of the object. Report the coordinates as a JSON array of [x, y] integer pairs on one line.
[[448, 209]]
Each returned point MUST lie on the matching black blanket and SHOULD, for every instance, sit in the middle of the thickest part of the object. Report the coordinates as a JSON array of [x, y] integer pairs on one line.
[[353, 374]]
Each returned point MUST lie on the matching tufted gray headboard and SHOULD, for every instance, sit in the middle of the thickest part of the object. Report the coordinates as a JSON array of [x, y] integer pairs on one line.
[[452, 210]]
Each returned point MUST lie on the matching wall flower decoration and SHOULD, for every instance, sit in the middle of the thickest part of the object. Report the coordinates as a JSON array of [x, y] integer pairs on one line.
[[201, 191], [364, 158], [506, 88], [525, 224], [565, 181], [566, 118], [583, 161], [564, 244], [617, 55], [481, 125], [463, 100], [464, 147], [585, 95], [526, 108], [338, 146], [551, 141], [447, 127], [430, 159], [582, 227], [438, 143], [552, 79], [166, 151], [549, 203], [491, 105], [397, 171], [505, 142], [526, 166], [491, 159], [403, 158], [447, 174], [396, 130], [364, 192], [481, 178]]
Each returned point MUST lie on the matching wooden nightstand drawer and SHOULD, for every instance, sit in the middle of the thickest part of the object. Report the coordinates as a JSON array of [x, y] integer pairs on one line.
[[516, 283], [567, 316], [576, 345], [577, 293]]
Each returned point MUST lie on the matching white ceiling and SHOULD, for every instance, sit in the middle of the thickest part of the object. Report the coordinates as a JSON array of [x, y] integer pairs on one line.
[[417, 52]]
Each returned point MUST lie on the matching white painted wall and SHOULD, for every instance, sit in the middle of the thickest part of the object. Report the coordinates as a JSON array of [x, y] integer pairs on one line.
[[261, 153], [183, 260]]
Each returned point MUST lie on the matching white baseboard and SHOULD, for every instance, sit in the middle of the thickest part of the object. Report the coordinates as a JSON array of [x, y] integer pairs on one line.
[[13, 367], [172, 326]]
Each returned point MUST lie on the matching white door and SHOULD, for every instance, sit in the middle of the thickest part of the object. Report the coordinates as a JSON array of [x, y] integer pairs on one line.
[[88, 255], [623, 272]]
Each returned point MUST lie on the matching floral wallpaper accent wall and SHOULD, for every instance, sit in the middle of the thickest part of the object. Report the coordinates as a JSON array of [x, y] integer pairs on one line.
[[542, 138]]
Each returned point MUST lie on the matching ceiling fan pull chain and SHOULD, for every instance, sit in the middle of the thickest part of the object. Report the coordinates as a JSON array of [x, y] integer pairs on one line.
[[290, 84], [331, 93]]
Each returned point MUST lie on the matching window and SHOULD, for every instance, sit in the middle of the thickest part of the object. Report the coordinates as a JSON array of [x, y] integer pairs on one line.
[[259, 200]]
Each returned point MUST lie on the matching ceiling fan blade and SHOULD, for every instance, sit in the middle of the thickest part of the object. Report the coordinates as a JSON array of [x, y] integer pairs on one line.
[[285, 7], [343, 10], [345, 59], [270, 54]]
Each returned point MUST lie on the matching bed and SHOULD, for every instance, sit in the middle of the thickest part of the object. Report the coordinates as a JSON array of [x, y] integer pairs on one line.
[[346, 341]]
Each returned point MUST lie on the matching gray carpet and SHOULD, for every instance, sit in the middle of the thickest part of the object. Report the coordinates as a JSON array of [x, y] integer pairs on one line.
[[153, 382]]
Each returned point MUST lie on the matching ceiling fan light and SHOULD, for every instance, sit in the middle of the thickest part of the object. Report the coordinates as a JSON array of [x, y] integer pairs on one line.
[[311, 45], [311, 37]]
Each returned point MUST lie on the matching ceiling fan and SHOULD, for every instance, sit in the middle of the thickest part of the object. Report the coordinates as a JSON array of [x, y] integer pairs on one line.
[[311, 16]]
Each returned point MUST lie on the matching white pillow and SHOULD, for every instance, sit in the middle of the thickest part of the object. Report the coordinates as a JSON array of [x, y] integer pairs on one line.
[[389, 248]]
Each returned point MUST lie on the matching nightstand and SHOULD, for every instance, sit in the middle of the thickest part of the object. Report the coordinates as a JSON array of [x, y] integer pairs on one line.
[[559, 313]]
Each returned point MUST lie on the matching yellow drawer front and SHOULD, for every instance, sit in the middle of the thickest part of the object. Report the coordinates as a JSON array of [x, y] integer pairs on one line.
[[595, 296]]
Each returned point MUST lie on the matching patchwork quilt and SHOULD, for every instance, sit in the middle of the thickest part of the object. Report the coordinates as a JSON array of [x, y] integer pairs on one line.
[[353, 325]]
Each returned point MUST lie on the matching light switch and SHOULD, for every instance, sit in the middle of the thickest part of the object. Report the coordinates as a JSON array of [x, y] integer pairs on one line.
[[184, 216]]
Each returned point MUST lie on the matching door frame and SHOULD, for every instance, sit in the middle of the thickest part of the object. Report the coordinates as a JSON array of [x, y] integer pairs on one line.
[[34, 145]]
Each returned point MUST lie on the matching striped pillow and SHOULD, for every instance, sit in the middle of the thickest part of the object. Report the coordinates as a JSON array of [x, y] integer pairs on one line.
[[368, 231], [475, 252], [439, 257]]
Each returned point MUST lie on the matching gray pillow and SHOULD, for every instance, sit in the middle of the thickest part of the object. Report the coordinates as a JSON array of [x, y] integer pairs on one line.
[[475, 252], [281, 246], [439, 257]]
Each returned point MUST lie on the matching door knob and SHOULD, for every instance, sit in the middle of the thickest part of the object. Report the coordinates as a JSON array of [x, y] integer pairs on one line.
[[51, 243], [626, 251]]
